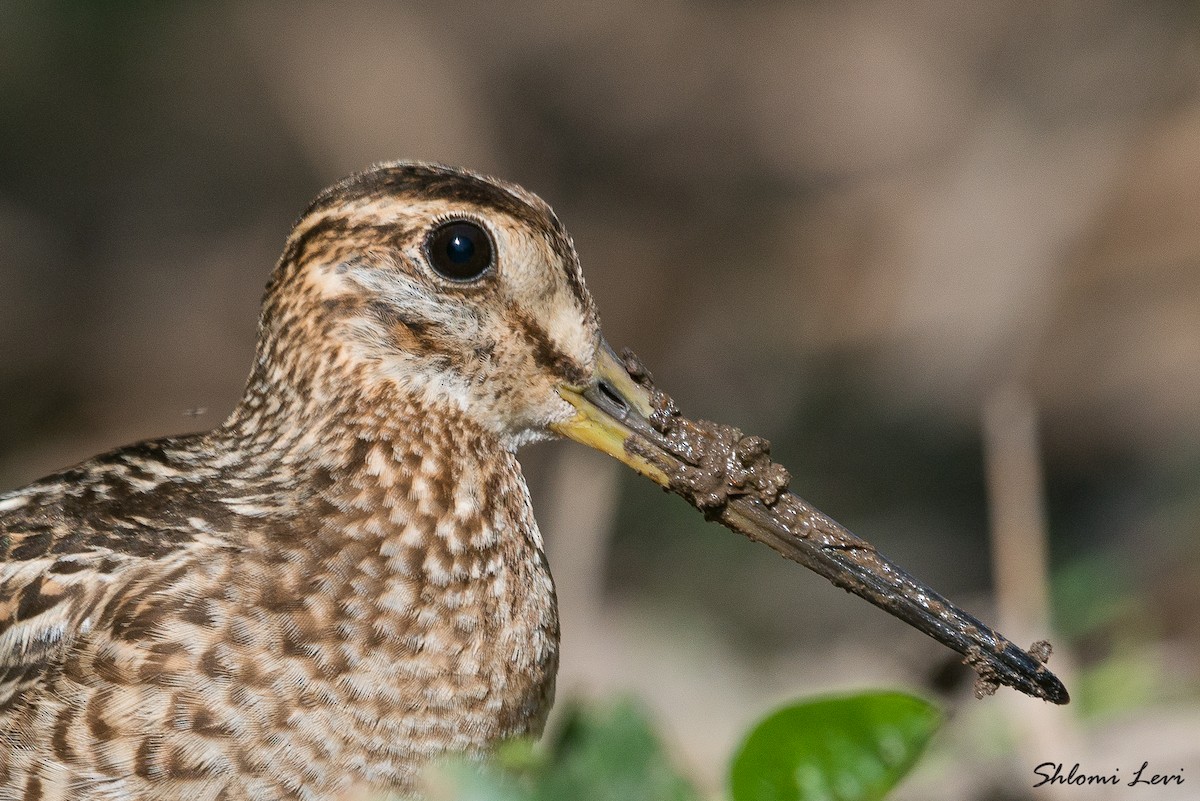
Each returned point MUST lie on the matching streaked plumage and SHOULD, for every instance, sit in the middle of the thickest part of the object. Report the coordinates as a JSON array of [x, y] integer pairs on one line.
[[343, 579], [346, 578]]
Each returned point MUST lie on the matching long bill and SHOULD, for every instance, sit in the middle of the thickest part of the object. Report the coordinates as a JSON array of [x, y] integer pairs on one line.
[[729, 478]]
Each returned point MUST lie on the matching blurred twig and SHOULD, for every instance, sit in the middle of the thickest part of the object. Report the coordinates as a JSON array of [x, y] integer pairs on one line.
[[1019, 558], [1016, 506]]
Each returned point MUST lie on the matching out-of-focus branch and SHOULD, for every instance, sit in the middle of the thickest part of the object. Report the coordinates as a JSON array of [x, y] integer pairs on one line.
[[1020, 564]]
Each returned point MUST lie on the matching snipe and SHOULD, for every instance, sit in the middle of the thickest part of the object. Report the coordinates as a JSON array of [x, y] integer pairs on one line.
[[345, 578]]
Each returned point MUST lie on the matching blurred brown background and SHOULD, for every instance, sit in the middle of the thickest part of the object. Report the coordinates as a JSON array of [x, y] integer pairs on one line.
[[862, 229]]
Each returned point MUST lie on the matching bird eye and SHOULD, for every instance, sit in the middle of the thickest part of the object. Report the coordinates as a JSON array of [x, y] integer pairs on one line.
[[459, 250]]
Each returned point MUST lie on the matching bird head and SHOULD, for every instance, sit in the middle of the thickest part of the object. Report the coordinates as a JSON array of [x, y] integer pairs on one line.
[[463, 294], [458, 291]]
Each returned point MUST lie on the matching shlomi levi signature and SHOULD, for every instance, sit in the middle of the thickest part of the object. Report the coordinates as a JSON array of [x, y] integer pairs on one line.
[[1052, 773]]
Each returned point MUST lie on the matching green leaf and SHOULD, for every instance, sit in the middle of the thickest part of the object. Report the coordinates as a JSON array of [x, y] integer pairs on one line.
[[465, 782], [610, 753], [459, 778], [598, 753], [849, 748]]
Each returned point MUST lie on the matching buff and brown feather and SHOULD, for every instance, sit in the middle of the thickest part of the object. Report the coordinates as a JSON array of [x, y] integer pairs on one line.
[[345, 578]]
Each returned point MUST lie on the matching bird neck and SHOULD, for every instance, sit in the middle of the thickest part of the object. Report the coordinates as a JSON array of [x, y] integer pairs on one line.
[[292, 417], [416, 525]]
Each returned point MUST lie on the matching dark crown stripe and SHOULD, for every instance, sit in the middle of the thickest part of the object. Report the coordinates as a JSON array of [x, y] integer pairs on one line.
[[432, 181]]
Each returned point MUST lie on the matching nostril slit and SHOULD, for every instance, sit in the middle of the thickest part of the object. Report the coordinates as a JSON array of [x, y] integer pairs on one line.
[[606, 389]]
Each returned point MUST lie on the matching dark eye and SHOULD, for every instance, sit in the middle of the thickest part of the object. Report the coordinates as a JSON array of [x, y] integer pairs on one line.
[[459, 250]]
